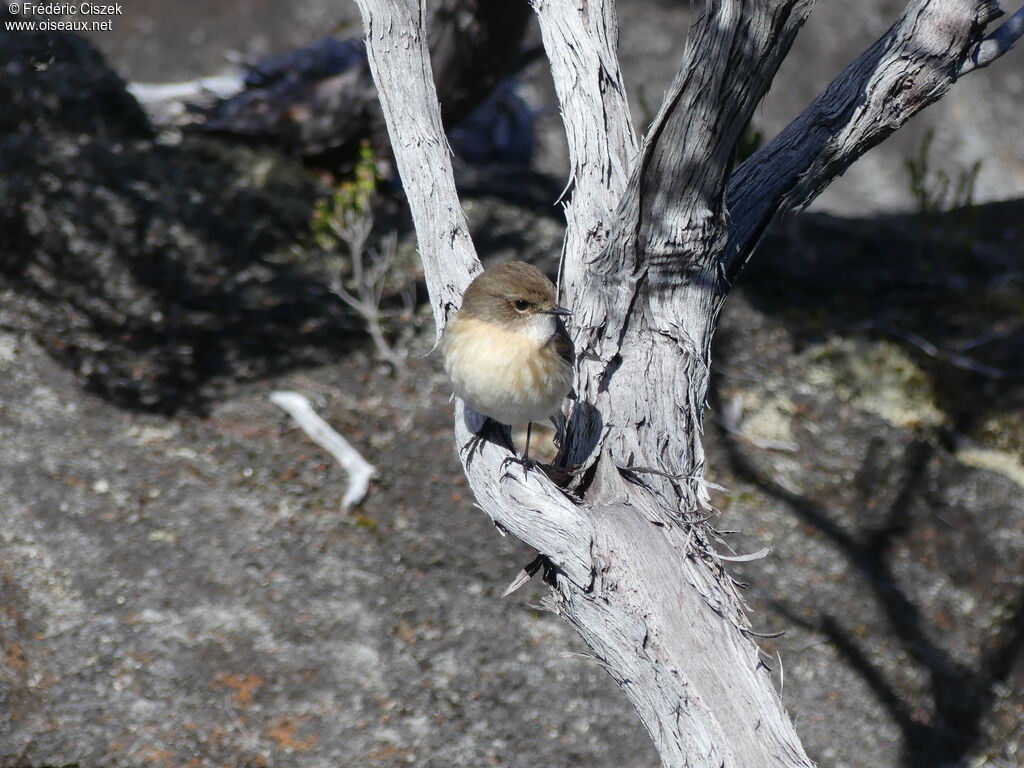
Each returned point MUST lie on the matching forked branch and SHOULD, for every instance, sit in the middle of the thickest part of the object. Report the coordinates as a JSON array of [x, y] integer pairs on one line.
[[634, 569], [731, 57], [400, 62], [913, 65]]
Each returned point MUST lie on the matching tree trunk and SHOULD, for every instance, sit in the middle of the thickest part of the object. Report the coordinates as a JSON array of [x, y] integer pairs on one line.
[[654, 239]]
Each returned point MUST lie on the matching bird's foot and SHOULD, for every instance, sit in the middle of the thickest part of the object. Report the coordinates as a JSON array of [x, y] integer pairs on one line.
[[524, 461], [490, 431], [472, 447], [559, 475]]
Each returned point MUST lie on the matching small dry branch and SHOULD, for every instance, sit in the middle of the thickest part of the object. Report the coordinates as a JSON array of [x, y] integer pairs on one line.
[[359, 470], [346, 221]]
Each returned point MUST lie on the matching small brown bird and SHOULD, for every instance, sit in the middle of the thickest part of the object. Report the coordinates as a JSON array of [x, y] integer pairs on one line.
[[506, 351]]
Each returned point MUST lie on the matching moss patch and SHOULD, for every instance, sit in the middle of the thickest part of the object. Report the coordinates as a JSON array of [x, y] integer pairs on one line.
[[875, 376]]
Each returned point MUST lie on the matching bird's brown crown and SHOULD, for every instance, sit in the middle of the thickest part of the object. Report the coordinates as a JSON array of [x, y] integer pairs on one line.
[[506, 293]]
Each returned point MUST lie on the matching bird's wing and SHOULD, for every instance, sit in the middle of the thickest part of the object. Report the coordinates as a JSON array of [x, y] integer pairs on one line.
[[563, 345]]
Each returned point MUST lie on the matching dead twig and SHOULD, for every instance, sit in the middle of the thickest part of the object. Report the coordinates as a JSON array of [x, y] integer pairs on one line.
[[953, 358], [359, 470]]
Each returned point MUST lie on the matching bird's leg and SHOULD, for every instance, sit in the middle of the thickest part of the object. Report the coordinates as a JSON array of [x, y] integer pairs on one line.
[[525, 459], [526, 453]]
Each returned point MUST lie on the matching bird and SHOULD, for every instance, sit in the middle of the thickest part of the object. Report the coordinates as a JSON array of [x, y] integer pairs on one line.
[[506, 350]]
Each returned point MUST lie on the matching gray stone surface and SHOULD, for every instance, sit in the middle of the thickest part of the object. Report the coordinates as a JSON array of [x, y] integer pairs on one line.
[[187, 589], [896, 570]]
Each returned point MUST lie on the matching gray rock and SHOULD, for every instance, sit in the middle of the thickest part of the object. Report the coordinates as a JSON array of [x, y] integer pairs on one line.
[[173, 265]]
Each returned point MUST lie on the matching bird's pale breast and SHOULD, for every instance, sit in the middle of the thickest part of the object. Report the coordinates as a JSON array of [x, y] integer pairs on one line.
[[510, 376]]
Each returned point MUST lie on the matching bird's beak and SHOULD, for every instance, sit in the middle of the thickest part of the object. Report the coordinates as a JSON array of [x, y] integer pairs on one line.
[[557, 310]]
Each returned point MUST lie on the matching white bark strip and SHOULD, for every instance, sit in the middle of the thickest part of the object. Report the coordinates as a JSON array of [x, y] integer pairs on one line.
[[581, 40], [359, 470], [645, 272]]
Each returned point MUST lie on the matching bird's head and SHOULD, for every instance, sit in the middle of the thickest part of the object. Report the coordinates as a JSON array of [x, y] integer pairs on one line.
[[516, 296]]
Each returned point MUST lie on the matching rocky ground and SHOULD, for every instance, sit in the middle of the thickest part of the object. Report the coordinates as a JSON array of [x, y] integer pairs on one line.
[[178, 586]]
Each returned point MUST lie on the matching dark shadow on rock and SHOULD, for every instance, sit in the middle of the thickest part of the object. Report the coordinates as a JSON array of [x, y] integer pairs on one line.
[[948, 288], [953, 299], [60, 82], [158, 273], [961, 695]]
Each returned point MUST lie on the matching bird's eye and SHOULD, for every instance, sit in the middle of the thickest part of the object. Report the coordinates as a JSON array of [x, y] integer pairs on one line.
[[521, 305]]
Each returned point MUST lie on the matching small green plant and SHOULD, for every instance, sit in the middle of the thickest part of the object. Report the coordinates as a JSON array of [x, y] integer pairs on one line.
[[944, 200], [350, 208], [751, 141], [935, 191], [342, 225]]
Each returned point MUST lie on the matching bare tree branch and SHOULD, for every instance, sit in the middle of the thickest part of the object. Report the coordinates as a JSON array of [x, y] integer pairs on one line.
[[911, 66], [396, 44], [525, 504], [995, 45], [581, 40], [731, 57]]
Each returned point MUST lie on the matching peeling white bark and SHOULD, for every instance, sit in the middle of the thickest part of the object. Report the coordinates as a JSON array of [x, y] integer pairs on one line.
[[582, 42], [654, 236]]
